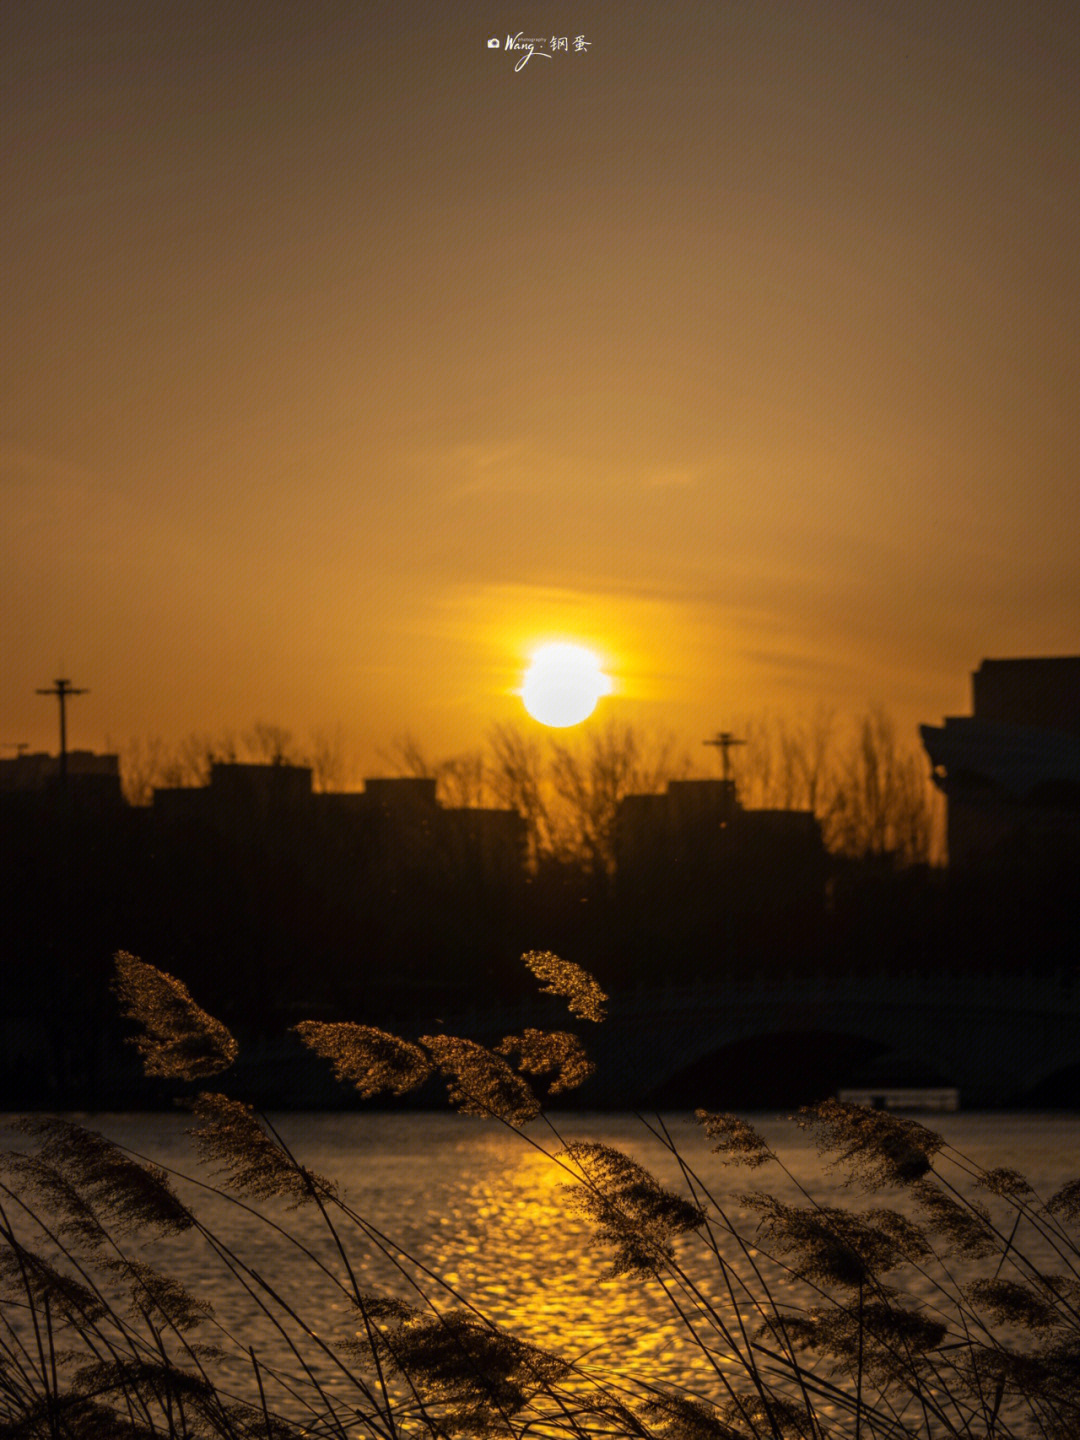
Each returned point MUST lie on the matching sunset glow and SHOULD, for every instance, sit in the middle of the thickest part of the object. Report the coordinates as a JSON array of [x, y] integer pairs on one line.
[[563, 685], [349, 360]]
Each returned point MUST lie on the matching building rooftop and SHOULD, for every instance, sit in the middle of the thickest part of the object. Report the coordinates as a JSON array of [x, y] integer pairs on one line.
[[1041, 692]]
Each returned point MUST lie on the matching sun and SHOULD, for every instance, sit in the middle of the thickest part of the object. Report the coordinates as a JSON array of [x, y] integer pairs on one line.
[[563, 684]]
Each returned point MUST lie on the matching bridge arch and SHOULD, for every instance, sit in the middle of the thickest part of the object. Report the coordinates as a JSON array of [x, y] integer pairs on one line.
[[1001, 1039], [803, 1047]]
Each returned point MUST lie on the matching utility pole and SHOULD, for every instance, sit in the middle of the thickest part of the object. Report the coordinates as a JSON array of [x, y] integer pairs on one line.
[[723, 741], [62, 689]]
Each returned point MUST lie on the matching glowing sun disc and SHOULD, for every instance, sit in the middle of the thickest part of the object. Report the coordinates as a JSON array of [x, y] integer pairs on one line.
[[563, 684]]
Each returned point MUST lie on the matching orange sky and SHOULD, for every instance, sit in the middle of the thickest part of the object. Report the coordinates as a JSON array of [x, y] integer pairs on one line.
[[343, 362]]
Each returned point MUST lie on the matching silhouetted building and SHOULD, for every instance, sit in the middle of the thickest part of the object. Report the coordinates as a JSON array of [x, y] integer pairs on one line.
[[1042, 694], [238, 794], [92, 781], [1011, 770], [697, 837], [398, 820]]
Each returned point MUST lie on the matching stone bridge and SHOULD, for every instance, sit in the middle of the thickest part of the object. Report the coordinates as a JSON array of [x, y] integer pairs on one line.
[[1000, 1039]]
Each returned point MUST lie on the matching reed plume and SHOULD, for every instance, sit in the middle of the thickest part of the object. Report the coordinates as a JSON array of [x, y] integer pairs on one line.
[[874, 1147], [27, 1277], [751, 1413], [181, 1041], [110, 1187], [737, 1141], [583, 995], [544, 1052], [73, 1217], [964, 1226], [984, 1344], [1010, 1302], [375, 1061], [827, 1245], [151, 1291], [474, 1373], [1066, 1202], [248, 1161], [889, 1343], [479, 1082], [678, 1417], [633, 1213], [75, 1417]]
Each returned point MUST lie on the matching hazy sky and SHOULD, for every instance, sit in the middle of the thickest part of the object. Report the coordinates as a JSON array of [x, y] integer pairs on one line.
[[343, 362]]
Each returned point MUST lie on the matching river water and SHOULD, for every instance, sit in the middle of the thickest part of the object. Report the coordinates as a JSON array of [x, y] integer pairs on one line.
[[482, 1208]]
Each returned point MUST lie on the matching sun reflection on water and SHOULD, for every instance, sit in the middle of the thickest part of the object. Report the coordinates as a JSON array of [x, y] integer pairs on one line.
[[479, 1208]]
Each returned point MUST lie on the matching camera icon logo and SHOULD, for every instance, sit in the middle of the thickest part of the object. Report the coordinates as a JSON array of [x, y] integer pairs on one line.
[[493, 44]]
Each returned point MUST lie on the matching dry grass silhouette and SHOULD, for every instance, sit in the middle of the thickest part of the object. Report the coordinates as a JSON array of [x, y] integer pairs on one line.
[[576, 986], [809, 1328], [178, 1040]]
